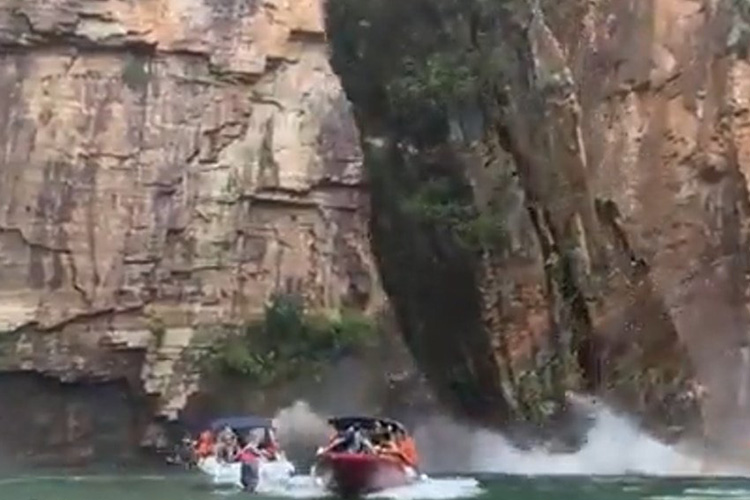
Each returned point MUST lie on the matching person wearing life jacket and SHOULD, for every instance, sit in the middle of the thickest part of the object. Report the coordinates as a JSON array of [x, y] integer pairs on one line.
[[205, 445], [227, 446], [341, 441], [387, 445], [268, 446], [349, 441], [333, 440], [408, 449]]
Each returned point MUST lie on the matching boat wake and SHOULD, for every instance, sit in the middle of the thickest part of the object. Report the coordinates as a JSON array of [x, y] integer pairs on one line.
[[426, 488]]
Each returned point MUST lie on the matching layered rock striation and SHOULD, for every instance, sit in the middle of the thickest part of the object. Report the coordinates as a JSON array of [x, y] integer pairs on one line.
[[168, 163]]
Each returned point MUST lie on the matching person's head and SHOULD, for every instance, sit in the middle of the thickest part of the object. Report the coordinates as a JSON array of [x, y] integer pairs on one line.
[[254, 436]]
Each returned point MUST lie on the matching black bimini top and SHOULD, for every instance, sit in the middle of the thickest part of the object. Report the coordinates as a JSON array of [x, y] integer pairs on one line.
[[366, 423], [241, 424]]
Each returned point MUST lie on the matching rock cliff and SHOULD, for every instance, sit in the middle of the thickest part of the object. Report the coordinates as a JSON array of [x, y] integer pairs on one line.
[[567, 182], [169, 163], [557, 198]]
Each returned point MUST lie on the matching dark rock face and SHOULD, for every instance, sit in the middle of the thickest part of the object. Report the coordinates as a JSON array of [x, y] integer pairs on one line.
[[604, 143], [45, 422]]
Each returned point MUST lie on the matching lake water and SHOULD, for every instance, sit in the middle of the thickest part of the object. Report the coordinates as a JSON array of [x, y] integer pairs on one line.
[[190, 486], [618, 462]]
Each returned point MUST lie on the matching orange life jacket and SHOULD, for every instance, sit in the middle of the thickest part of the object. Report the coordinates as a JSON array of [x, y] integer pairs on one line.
[[205, 445], [409, 451]]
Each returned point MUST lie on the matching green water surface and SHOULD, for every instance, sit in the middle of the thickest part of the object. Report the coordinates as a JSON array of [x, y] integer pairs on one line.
[[190, 486]]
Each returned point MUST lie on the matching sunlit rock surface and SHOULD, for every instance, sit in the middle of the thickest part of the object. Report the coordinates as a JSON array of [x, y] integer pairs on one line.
[[169, 163]]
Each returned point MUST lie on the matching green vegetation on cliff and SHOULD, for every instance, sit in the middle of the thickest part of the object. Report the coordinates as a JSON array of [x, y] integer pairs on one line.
[[288, 342], [417, 73], [420, 63], [414, 71]]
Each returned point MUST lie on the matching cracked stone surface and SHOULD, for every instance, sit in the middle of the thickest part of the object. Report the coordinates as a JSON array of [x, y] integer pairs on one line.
[[170, 159], [614, 159]]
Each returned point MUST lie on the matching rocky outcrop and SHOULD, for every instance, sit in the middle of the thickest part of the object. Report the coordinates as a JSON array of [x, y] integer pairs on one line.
[[602, 144], [164, 165]]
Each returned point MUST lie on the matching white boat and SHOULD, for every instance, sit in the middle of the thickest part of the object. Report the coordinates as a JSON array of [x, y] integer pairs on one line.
[[276, 472]]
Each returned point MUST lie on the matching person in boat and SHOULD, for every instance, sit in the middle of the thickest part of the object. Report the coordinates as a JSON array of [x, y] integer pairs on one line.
[[341, 441], [184, 452], [387, 445], [249, 457], [396, 443], [268, 445], [251, 445], [204, 446], [364, 443], [407, 448], [377, 434], [227, 446], [350, 440], [359, 442]]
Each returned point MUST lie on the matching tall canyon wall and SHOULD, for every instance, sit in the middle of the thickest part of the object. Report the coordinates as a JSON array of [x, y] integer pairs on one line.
[[572, 184], [164, 162], [557, 197]]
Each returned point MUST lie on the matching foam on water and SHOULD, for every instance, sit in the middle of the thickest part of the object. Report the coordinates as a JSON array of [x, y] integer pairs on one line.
[[697, 494], [434, 489], [614, 447], [718, 492], [425, 489]]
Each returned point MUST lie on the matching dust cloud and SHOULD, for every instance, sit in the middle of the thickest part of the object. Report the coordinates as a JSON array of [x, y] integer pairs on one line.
[[614, 446]]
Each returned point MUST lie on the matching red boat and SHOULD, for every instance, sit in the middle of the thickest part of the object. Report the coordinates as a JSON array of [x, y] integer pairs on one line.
[[357, 462]]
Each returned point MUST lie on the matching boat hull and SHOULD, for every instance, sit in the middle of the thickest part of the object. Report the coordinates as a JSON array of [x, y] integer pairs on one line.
[[355, 474], [230, 474]]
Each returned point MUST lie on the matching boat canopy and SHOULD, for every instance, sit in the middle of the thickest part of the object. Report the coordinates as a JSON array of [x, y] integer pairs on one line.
[[241, 424], [367, 423]]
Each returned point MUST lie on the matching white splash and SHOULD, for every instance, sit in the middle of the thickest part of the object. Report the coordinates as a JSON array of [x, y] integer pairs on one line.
[[614, 446], [434, 489], [425, 489]]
